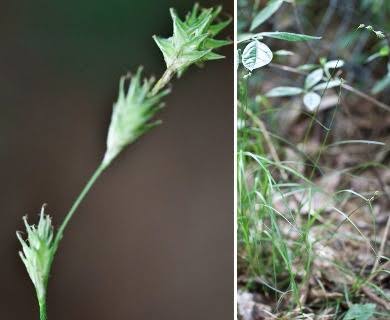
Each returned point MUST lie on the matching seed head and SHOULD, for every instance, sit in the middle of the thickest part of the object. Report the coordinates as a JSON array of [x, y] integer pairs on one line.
[[193, 40], [38, 251], [131, 113]]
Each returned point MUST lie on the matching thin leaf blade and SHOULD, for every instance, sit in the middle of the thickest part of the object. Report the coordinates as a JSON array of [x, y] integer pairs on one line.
[[266, 13], [288, 36], [284, 92]]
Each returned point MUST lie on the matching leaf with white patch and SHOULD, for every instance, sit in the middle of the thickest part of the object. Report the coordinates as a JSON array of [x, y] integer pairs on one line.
[[256, 55]]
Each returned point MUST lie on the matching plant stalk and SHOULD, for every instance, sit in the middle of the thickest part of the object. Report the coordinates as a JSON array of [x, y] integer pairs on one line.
[[163, 81], [76, 204], [42, 309]]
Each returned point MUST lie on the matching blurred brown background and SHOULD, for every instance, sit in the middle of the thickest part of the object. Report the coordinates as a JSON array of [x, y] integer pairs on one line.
[[154, 238]]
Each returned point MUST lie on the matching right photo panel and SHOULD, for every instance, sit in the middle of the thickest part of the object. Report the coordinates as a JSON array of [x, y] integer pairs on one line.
[[313, 159]]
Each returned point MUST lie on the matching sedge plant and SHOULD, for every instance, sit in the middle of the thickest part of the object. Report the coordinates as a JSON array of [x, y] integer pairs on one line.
[[193, 42], [286, 230]]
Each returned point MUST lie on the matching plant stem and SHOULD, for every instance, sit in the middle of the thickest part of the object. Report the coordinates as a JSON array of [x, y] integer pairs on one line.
[[42, 309], [76, 204], [164, 80]]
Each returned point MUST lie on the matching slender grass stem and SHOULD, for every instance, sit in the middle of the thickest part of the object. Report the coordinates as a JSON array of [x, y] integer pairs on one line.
[[42, 309], [77, 202], [163, 81]]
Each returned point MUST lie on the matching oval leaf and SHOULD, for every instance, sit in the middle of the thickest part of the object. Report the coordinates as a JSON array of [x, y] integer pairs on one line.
[[283, 92], [334, 64], [283, 53], [313, 78], [256, 55], [308, 67], [311, 100], [288, 36], [267, 12], [328, 85]]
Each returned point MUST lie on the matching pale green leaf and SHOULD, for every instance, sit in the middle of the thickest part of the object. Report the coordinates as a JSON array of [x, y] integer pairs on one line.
[[360, 312], [264, 14], [334, 64], [327, 85], [313, 78], [288, 36], [284, 91], [256, 55], [308, 67], [311, 100], [283, 53], [381, 84]]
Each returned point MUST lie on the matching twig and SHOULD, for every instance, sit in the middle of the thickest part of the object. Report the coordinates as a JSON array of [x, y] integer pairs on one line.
[[301, 29], [370, 294], [327, 17], [381, 249], [366, 96], [324, 23]]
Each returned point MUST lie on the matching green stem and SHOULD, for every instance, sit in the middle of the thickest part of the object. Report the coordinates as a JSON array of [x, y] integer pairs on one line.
[[42, 309], [164, 80], [60, 233], [76, 204]]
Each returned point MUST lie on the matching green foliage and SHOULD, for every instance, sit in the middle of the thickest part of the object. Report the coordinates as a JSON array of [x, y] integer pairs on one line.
[[312, 99], [288, 36], [360, 312], [284, 92], [382, 52], [313, 78], [193, 39], [256, 55], [283, 223], [266, 13]]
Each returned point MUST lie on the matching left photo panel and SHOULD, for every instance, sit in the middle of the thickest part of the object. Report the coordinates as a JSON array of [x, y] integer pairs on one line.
[[116, 159]]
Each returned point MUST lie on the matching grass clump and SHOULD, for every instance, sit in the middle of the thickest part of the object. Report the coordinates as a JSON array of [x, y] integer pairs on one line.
[[313, 193]]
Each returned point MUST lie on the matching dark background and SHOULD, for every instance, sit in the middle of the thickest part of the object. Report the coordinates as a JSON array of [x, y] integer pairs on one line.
[[154, 238]]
